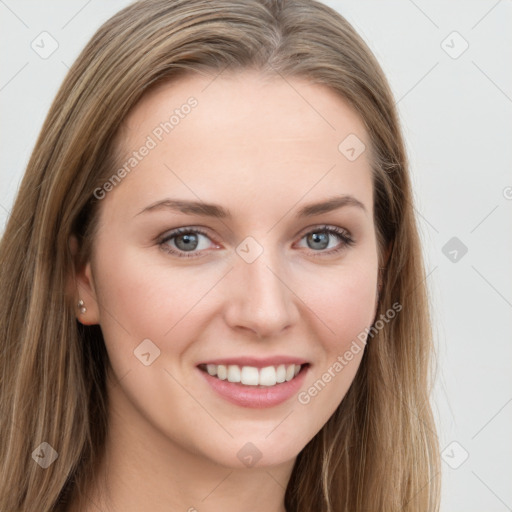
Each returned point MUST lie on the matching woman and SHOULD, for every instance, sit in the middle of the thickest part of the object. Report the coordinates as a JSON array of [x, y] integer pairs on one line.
[[221, 303]]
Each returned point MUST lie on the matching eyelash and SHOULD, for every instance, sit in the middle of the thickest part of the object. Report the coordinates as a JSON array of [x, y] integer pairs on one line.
[[345, 238]]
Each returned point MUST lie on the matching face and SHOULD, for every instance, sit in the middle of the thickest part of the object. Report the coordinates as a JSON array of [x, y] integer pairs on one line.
[[239, 245]]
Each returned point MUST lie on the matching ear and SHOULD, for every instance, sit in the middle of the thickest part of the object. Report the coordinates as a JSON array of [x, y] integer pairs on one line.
[[82, 288]]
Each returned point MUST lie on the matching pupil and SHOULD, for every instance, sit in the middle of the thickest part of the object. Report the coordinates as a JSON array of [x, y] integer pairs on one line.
[[321, 239], [189, 242]]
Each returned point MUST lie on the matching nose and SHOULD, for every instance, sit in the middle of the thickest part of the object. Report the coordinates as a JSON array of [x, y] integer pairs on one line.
[[260, 297]]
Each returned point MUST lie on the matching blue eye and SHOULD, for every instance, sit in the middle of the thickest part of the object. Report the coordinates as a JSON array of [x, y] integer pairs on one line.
[[191, 242], [319, 238], [184, 240]]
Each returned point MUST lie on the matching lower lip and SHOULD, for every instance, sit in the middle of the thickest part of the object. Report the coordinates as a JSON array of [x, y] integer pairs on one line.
[[255, 396]]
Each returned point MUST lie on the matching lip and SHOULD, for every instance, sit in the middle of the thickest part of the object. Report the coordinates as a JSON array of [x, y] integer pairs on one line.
[[254, 396], [256, 361]]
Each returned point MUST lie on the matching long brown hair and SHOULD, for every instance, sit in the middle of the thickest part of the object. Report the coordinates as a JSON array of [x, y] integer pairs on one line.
[[379, 450]]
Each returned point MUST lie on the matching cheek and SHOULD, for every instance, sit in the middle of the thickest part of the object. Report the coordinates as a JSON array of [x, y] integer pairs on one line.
[[344, 302], [353, 308], [344, 307], [143, 297]]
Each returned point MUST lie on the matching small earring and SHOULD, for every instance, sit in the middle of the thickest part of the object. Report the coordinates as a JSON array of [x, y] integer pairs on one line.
[[81, 306]]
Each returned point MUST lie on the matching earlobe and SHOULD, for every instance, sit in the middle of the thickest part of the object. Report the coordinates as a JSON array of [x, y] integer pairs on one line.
[[87, 304], [82, 288]]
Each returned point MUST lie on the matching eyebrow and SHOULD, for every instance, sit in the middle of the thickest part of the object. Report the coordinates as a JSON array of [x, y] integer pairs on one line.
[[216, 211]]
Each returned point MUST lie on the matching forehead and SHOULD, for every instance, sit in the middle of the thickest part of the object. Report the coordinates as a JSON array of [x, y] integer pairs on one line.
[[262, 104], [246, 130]]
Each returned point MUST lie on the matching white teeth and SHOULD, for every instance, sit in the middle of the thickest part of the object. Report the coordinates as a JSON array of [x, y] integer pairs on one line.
[[222, 372], [281, 373], [233, 373], [267, 376], [252, 376]]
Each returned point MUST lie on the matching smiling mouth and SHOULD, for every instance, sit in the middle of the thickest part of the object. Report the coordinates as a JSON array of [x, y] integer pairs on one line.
[[251, 376]]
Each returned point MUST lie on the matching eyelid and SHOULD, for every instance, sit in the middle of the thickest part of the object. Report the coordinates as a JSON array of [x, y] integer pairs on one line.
[[323, 227], [346, 239], [169, 235]]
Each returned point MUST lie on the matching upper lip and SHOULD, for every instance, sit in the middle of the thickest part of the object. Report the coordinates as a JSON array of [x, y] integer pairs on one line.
[[257, 362]]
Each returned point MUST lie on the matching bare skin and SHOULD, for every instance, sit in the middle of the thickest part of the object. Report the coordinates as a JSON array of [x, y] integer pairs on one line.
[[261, 150]]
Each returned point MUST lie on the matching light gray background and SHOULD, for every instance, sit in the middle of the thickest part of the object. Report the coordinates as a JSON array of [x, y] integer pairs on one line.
[[456, 114]]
